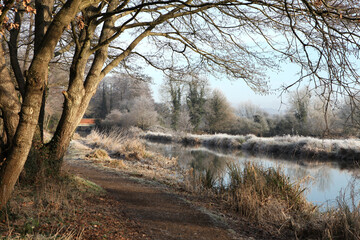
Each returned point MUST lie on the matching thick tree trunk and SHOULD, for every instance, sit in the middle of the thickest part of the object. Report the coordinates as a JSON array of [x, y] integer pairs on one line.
[[25, 131], [36, 164], [43, 18], [9, 103], [74, 108], [80, 92], [32, 101]]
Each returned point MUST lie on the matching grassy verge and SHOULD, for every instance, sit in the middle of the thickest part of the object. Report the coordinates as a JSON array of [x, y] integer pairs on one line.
[[70, 208]]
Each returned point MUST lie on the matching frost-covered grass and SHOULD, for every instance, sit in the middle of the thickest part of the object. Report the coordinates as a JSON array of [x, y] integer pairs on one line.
[[295, 146], [160, 137], [215, 140], [305, 147], [112, 141], [122, 151]]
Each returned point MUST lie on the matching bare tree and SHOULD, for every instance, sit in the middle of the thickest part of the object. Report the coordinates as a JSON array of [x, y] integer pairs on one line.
[[219, 114], [248, 110], [300, 107], [321, 36], [142, 112], [118, 92]]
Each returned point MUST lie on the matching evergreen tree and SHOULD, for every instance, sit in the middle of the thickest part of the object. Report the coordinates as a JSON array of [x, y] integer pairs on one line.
[[196, 103]]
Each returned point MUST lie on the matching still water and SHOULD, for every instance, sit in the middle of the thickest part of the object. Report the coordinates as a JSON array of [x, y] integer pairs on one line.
[[323, 181]]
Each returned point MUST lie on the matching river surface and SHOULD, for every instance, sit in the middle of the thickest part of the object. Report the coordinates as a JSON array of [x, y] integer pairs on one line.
[[323, 181]]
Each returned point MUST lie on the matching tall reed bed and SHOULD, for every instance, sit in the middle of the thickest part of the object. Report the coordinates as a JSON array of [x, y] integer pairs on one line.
[[252, 190], [343, 221], [268, 197]]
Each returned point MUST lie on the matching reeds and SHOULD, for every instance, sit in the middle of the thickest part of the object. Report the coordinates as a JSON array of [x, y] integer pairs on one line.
[[267, 196], [343, 221], [265, 184], [263, 195], [117, 143]]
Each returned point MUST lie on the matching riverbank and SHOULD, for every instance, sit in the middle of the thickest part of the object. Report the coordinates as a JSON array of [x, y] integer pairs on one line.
[[139, 184], [255, 197], [342, 150]]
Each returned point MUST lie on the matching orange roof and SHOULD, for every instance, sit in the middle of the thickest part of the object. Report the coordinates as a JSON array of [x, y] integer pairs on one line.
[[87, 121]]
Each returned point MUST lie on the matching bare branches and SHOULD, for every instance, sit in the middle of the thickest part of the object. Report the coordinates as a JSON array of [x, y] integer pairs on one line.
[[239, 38]]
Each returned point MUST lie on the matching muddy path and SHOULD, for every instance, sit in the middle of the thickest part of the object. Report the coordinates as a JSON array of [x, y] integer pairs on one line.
[[160, 213]]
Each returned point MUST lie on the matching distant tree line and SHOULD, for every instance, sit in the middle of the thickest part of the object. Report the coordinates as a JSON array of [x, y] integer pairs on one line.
[[189, 104]]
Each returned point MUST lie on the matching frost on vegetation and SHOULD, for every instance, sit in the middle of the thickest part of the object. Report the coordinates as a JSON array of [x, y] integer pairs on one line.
[[111, 142], [130, 154], [305, 146], [118, 144], [98, 154], [78, 145], [159, 136], [279, 145]]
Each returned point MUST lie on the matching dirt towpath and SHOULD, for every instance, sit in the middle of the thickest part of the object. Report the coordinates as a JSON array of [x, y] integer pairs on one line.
[[159, 213]]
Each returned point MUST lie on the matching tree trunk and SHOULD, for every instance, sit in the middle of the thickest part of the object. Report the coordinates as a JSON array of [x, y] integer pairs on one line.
[[70, 119], [30, 110], [9, 103], [13, 49], [80, 92], [43, 18], [36, 165]]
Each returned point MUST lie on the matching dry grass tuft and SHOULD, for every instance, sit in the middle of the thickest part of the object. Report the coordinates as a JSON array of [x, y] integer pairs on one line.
[[100, 154], [116, 143], [130, 154], [266, 196], [134, 149]]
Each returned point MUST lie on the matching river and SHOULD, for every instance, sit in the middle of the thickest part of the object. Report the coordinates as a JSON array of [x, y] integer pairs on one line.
[[323, 180]]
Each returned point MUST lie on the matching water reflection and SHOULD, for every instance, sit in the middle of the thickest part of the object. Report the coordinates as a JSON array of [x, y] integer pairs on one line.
[[323, 181]]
